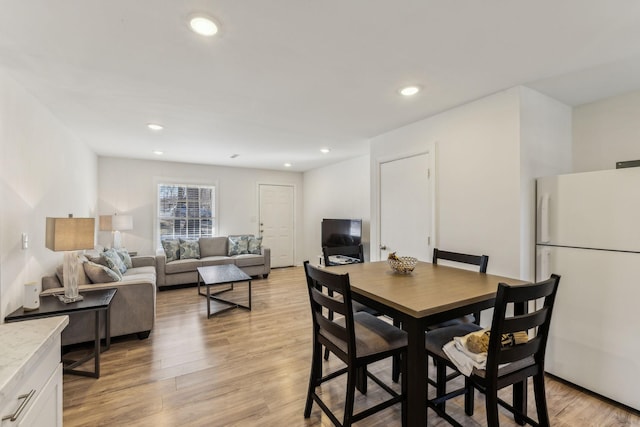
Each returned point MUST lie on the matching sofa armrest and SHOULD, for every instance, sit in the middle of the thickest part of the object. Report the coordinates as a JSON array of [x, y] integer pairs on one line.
[[161, 261], [267, 258], [143, 261]]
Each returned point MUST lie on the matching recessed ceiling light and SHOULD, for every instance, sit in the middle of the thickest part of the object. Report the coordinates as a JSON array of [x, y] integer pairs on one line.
[[287, 165], [409, 90], [203, 26], [158, 152], [155, 126], [325, 150]]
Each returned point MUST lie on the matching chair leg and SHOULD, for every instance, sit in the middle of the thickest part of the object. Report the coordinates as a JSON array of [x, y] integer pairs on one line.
[[441, 382], [395, 368], [491, 405], [314, 377], [541, 400], [326, 353], [351, 391], [468, 396], [403, 388]]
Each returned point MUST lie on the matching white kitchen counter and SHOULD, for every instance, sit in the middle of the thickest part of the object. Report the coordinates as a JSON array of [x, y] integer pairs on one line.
[[22, 345]]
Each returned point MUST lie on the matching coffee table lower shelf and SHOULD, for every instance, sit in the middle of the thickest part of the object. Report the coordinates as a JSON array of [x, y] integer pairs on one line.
[[222, 275]]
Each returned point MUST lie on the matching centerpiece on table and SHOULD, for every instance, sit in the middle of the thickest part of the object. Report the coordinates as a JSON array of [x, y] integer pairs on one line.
[[402, 264]]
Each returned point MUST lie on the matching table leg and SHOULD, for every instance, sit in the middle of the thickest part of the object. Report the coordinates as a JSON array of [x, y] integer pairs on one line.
[[417, 373], [249, 294], [107, 329], [208, 301], [96, 348]]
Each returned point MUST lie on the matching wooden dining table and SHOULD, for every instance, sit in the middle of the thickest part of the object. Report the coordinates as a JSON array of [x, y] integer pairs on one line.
[[431, 294]]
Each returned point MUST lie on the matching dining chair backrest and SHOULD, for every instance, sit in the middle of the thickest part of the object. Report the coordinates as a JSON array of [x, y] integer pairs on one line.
[[536, 322], [337, 299], [355, 251], [480, 260]]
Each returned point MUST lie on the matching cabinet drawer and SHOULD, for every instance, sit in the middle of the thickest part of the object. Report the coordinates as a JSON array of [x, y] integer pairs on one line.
[[36, 374]]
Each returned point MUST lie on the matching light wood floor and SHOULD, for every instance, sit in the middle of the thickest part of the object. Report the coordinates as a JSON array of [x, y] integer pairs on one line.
[[251, 369]]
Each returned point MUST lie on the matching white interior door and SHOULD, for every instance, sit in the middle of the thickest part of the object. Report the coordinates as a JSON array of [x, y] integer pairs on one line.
[[406, 207], [276, 222]]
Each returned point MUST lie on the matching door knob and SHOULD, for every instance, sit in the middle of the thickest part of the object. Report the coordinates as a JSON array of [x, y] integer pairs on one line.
[[383, 247]]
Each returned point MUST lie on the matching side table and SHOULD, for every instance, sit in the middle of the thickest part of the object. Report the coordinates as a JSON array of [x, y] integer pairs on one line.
[[98, 300]]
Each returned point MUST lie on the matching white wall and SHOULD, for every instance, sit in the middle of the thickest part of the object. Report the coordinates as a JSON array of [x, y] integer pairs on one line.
[[477, 182], [605, 132], [129, 187], [480, 177], [44, 172], [336, 191], [545, 149]]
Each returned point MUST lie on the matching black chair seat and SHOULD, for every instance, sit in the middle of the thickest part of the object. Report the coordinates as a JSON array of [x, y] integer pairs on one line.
[[436, 339]]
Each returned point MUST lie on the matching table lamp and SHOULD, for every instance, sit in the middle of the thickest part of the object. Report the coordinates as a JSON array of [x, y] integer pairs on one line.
[[116, 223], [69, 235]]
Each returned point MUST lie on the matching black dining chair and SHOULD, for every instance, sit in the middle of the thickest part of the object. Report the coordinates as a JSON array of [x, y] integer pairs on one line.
[[355, 252], [506, 363], [357, 339], [479, 260]]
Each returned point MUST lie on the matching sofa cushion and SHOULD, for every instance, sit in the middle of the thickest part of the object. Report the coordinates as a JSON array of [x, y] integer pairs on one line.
[[213, 246], [255, 245], [216, 260], [238, 245], [100, 274], [189, 249], [139, 270], [171, 249], [182, 266], [248, 260]]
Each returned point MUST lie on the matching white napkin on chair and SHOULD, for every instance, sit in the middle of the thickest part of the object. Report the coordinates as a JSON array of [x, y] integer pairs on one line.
[[464, 359]]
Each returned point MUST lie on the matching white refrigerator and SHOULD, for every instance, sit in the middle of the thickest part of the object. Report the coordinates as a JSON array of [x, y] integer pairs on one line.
[[588, 231]]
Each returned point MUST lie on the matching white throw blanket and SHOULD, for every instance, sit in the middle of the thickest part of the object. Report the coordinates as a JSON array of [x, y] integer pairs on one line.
[[465, 360]]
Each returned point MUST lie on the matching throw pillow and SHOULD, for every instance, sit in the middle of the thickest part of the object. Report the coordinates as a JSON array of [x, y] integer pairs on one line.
[[82, 277], [100, 274], [171, 249], [114, 261], [238, 245], [189, 249], [125, 257], [255, 245]]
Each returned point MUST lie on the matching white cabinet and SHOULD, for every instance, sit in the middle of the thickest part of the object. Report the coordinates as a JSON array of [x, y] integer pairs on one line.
[[31, 373]]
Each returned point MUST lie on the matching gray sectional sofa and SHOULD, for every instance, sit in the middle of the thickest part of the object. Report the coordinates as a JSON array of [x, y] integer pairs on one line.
[[212, 251], [133, 309]]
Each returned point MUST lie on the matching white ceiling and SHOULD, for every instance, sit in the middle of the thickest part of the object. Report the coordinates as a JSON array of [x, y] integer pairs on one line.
[[284, 78]]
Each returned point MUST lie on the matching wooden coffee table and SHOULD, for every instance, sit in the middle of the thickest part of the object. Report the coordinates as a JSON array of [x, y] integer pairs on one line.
[[220, 275]]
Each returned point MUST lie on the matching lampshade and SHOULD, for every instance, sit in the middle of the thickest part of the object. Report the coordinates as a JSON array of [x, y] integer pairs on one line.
[[70, 234], [116, 222]]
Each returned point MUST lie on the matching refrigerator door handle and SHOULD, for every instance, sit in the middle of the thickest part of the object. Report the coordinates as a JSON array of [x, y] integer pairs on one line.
[[544, 219], [545, 261]]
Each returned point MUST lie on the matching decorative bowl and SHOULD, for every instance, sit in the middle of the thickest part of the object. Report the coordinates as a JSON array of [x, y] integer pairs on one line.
[[403, 264]]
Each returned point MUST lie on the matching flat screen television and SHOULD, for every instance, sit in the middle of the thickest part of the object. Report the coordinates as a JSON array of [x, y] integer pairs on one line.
[[341, 232]]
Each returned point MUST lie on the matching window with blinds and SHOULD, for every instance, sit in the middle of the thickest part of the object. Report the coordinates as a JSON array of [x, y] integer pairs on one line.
[[186, 211]]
